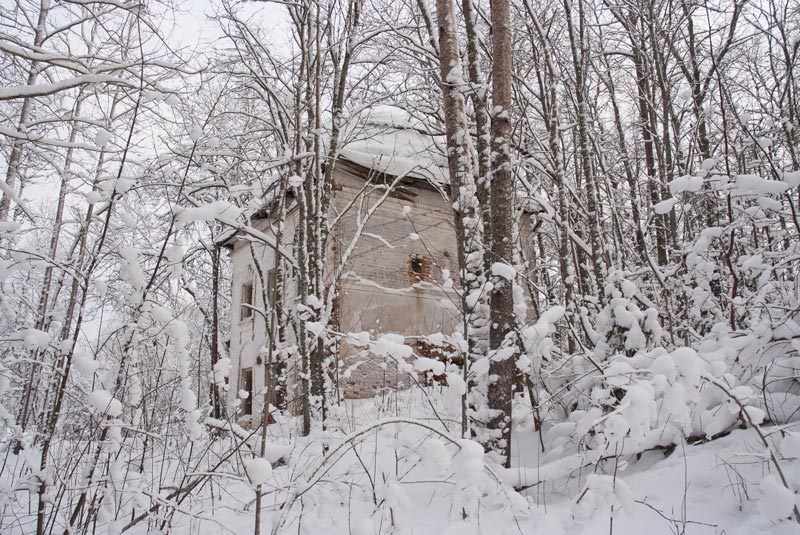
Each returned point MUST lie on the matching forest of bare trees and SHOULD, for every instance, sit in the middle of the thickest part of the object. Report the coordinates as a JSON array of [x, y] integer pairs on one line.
[[625, 186]]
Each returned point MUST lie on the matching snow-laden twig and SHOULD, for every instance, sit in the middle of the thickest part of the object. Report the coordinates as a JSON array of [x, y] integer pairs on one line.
[[757, 428], [339, 451]]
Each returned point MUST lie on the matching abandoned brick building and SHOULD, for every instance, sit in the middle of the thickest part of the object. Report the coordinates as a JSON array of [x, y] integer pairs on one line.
[[394, 280]]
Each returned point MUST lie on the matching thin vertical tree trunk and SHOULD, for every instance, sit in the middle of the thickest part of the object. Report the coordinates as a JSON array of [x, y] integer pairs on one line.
[[462, 191], [217, 398], [667, 113], [643, 100], [630, 178], [482, 123], [14, 159], [579, 50], [271, 297], [44, 297], [502, 364], [548, 98], [315, 192]]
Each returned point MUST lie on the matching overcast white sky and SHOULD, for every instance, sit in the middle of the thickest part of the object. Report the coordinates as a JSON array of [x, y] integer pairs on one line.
[[196, 30]]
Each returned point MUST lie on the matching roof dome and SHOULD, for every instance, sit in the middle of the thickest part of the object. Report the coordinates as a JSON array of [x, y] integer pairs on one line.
[[389, 140]]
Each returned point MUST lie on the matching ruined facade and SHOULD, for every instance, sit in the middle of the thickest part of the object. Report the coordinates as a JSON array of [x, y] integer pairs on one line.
[[398, 278]]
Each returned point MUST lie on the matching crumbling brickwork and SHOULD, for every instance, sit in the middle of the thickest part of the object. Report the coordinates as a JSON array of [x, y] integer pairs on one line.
[[394, 282]]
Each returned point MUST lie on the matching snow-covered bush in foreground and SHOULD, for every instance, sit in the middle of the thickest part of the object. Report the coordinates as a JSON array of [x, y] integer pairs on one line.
[[634, 391]]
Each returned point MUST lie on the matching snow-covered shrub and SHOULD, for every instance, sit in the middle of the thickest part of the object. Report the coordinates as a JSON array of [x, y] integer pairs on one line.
[[621, 325], [634, 392]]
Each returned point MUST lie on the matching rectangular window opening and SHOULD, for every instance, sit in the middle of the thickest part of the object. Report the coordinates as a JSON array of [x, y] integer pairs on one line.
[[246, 385], [418, 268], [247, 300]]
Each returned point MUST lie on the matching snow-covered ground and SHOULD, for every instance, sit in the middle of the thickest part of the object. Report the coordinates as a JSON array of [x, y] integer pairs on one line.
[[396, 465]]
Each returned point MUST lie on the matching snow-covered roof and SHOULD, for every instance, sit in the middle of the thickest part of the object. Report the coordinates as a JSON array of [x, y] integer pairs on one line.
[[385, 139], [389, 140]]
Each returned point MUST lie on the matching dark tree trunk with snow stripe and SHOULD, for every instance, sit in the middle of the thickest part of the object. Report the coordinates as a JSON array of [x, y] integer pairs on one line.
[[501, 302]]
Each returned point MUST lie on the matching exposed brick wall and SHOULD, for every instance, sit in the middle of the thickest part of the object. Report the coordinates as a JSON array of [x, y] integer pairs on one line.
[[445, 354], [370, 375], [383, 254], [383, 264], [419, 269], [379, 293]]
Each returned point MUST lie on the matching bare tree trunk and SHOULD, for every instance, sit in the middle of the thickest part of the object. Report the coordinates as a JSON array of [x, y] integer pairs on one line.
[[644, 99], [579, 49], [668, 115], [271, 297], [630, 178], [548, 98], [217, 398], [478, 97], [44, 297], [12, 172], [501, 331], [700, 83], [462, 191]]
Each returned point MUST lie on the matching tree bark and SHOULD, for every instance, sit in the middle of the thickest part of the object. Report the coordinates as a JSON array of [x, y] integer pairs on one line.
[[14, 159], [501, 367], [579, 49]]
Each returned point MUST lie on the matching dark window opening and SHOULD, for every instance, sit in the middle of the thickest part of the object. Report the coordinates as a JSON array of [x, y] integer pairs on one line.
[[416, 265], [247, 300], [246, 385], [419, 268]]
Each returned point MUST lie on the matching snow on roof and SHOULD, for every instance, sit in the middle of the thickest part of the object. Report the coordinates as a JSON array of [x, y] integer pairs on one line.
[[386, 139], [389, 140]]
